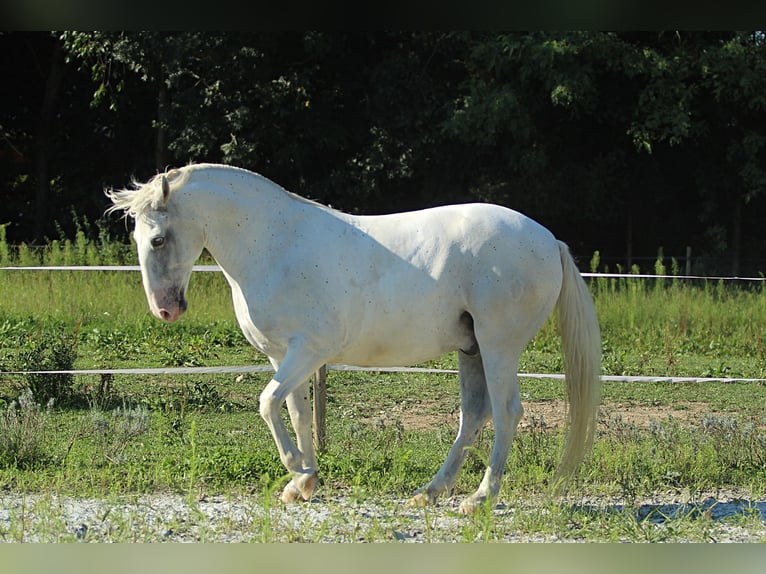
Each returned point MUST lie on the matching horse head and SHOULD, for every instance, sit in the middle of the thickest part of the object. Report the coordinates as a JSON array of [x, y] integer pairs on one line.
[[168, 242]]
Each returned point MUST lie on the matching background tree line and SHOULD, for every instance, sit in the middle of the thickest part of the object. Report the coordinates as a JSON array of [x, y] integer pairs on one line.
[[619, 142]]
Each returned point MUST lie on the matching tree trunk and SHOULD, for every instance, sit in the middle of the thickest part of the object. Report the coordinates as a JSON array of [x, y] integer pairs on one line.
[[43, 144], [629, 243], [160, 154], [736, 234]]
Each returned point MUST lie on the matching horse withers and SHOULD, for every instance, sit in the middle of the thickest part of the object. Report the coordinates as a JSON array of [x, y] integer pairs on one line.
[[313, 285]]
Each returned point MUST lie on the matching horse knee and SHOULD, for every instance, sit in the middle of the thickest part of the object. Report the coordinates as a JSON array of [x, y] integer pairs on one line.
[[268, 405], [517, 410]]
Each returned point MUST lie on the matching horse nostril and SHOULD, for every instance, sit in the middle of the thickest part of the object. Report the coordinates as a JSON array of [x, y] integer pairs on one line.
[[164, 314]]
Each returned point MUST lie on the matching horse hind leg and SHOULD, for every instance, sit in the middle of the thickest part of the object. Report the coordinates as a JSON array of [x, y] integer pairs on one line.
[[503, 392], [474, 413]]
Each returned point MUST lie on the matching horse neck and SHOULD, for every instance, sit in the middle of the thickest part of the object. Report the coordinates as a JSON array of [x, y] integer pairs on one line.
[[240, 213]]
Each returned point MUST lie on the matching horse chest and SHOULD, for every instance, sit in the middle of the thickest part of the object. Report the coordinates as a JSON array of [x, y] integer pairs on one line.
[[259, 333], [260, 340]]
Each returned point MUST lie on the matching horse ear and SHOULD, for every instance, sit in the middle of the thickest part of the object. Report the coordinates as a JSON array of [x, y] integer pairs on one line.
[[165, 190]]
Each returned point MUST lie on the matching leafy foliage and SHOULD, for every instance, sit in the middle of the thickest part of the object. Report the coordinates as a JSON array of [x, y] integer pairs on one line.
[[596, 134]]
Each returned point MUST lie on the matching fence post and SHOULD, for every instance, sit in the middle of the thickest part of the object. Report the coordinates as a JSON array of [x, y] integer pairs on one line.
[[320, 396]]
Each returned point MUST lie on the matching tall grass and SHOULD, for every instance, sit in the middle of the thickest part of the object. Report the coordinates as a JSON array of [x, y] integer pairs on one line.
[[674, 327], [96, 296], [92, 245]]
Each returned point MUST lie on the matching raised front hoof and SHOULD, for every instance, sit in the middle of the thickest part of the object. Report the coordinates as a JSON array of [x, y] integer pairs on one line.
[[301, 487]]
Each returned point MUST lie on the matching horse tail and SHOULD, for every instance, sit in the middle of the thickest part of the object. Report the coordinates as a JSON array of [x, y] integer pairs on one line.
[[581, 345]]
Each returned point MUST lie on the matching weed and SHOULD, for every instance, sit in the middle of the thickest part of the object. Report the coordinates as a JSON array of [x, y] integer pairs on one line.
[[193, 462], [482, 521], [737, 445], [51, 352], [114, 431], [263, 526], [23, 430], [5, 252], [173, 417], [535, 446]]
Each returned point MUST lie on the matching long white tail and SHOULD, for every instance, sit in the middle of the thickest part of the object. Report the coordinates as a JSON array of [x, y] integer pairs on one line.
[[581, 344]]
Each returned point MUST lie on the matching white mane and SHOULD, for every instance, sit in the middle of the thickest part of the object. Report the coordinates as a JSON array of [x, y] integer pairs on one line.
[[142, 197]]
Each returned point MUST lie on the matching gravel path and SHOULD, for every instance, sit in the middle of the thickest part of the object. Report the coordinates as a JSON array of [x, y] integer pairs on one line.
[[167, 517]]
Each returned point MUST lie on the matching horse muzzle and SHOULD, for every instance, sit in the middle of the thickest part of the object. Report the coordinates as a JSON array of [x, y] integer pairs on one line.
[[171, 306]]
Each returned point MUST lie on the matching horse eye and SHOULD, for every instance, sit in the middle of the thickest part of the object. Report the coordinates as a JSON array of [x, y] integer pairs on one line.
[[158, 241]]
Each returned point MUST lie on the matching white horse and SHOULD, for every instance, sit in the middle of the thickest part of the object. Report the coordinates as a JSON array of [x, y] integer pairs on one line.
[[313, 285]]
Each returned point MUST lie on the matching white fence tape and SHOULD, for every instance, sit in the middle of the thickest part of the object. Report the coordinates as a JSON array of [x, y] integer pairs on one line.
[[242, 369], [208, 268], [647, 276], [223, 370], [267, 368], [97, 268]]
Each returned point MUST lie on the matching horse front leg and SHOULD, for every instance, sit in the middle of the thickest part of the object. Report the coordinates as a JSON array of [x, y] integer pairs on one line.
[[290, 384], [302, 484]]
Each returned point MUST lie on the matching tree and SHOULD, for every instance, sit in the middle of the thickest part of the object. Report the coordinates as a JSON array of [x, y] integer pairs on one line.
[[29, 128], [706, 94], [621, 142], [45, 128], [620, 130]]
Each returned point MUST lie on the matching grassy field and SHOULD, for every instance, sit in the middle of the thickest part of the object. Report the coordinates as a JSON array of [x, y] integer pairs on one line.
[[388, 433]]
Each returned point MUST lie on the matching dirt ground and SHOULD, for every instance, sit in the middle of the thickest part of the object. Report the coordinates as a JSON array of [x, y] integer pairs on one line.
[[553, 413]]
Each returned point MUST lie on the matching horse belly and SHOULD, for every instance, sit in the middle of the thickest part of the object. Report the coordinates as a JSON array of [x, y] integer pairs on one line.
[[405, 340]]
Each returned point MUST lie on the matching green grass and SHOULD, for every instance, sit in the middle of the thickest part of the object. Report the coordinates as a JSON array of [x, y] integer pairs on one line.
[[202, 434]]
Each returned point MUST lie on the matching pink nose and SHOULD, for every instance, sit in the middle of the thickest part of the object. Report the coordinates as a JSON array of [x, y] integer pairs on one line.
[[166, 315], [174, 307]]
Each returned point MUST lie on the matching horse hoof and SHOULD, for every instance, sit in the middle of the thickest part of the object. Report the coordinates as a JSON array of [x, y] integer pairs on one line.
[[290, 494], [300, 487], [470, 505], [473, 503], [420, 500], [466, 508], [306, 483]]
